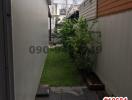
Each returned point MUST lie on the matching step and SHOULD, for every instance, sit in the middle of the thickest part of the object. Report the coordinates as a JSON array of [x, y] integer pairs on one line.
[[43, 91]]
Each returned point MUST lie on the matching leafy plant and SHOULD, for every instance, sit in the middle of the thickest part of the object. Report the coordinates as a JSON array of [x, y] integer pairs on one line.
[[81, 43], [67, 31]]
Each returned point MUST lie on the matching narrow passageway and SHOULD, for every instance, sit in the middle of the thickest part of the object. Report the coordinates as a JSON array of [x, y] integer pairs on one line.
[[65, 49], [60, 70], [64, 81], [67, 67], [61, 81]]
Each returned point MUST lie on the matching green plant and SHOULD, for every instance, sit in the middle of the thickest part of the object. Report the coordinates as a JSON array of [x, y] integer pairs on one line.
[[67, 31], [83, 46], [81, 43]]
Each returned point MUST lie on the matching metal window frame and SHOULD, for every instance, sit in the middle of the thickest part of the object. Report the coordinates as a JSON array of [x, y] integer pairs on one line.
[[7, 27]]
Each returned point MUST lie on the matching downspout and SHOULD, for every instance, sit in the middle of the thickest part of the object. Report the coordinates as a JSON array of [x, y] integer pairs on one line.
[[50, 24]]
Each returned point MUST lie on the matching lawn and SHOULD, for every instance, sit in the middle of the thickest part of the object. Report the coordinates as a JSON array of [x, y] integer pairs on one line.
[[59, 69]]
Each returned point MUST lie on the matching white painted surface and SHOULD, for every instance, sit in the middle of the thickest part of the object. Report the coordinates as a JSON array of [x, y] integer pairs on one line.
[[115, 60], [88, 9], [30, 27], [72, 10]]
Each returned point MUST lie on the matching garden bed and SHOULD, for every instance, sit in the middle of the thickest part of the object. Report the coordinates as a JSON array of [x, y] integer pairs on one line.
[[92, 80]]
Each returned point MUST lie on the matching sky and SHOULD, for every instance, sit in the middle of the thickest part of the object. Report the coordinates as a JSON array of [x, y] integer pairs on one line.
[[63, 2], [69, 1]]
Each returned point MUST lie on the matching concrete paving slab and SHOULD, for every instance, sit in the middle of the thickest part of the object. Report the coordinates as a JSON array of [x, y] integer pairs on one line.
[[70, 93]]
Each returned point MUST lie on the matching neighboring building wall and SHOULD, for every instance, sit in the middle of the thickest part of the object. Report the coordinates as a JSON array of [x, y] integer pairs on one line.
[[88, 9], [72, 10], [54, 13], [30, 27], [115, 61], [107, 7]]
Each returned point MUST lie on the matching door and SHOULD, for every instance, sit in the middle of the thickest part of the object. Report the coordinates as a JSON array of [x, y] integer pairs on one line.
[[6, 65]]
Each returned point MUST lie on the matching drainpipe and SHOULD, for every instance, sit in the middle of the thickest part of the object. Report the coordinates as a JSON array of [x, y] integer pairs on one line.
[[50, 24], [50, 30]]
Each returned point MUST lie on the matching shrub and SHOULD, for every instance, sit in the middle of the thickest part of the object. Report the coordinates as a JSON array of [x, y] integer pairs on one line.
[[67, 31], [81, 43]]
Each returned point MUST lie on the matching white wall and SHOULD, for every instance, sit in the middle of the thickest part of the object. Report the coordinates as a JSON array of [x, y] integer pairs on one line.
[[115, 61], [88, 9], [30, 27]]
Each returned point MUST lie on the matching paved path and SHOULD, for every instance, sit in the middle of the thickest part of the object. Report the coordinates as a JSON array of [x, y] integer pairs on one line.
[[70, 93]]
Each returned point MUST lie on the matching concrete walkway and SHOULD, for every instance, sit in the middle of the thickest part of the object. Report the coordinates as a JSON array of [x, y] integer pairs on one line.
[[70, 93]]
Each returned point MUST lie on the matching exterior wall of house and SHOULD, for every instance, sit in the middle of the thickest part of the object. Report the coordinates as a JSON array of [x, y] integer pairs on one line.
[[114, 62], [88, 9], [72, 10], [30, 28], [107, 7]]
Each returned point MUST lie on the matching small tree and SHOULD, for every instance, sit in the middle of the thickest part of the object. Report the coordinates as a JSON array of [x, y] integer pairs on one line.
[[80, 42], [66, 32]]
